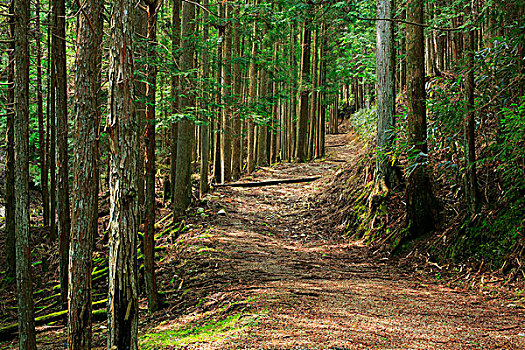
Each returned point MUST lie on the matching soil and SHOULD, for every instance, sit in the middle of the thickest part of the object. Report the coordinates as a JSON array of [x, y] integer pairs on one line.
[[254, 268]]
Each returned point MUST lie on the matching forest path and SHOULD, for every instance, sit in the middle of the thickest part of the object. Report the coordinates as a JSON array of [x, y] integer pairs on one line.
[[267, 276]]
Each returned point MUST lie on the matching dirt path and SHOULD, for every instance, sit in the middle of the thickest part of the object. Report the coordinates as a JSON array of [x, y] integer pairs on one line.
[[266, 276]]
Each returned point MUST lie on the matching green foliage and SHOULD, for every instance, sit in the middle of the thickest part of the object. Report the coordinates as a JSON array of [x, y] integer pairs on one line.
[[204, 332]]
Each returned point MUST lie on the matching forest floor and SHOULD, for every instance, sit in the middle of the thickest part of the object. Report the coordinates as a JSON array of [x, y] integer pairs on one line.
[[254, 268]]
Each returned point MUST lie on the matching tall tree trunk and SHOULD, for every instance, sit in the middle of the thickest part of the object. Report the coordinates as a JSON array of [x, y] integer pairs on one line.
[[149, 225], [24, 283], [385, 94], [312, 128], [40, 113], [182, 190], [262, 129], [85, 182], [253, 95], [301, 151], [471, 179], [226, 137], [141, 33], [124, 219], [10, 239], [175, 94], [419, 193], [205, 127], [64, 218], [51, 116], [237, 86]]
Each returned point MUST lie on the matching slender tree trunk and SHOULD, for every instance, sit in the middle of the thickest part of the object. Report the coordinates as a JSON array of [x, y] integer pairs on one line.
[[175, 92], [262, 129], [385, 94], [226, 137], [419, 194], [149, 225], [253, 95], [24, 284], [64, 218], [124, 219], [237, 123], [40, 113], [85, 182], [10, 244], [301, 151], [205, 127], [471, 183], [182, 190], [312, 132], [51, 115]]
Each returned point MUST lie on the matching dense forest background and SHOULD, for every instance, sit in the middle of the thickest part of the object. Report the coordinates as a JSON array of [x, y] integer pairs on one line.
[[112, 110]]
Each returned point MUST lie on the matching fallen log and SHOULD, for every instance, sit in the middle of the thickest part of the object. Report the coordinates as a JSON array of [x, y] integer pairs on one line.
[[269, 182]]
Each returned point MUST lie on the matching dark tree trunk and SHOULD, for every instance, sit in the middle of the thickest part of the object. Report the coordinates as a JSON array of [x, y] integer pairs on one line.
[[205, 128], [10, 244], [64, 219], [252, 91], [419, 193], [122, 124], [301, 151], [149, 226], [226, 137], [24, 284], [40, 113], [175, 92], [85, 182]]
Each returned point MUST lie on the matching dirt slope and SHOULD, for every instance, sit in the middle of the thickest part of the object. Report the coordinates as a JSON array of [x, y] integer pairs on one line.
[[266, 276]]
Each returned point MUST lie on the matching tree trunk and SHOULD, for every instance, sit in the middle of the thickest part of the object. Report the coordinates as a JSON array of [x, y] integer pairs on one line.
[[85, 182], [205, 127], [253, 95], [149, 224], [10, 239], [175, 94], [419, 194], [226, 137], [64, 218], [182, 190], [471, 183], [237, 132], [124, 219], [301, 151], [385, 94], [40, 113], [24, 282]]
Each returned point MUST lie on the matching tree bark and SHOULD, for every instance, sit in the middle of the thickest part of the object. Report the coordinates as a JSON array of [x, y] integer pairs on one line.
[[253, 95], [237, 132], [175, 94], [226, 137], [124, 219], [10, 244], [24, 282], [419, 193], [385, 94], [182, 190], [40, 113], [64, 218], [85, 182], [205, 127], [149, 225], [301, 153]]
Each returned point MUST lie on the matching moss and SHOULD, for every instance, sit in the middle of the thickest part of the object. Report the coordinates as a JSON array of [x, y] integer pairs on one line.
[[197, 333]]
